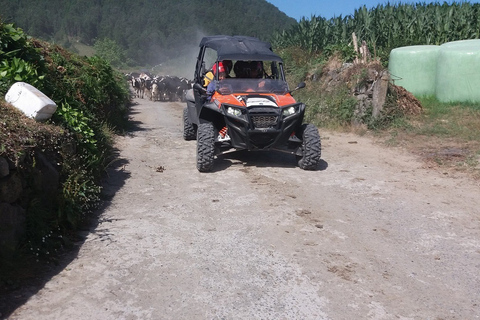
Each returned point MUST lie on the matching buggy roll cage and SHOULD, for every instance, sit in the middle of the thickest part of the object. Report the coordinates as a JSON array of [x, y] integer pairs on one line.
[[235, 48]]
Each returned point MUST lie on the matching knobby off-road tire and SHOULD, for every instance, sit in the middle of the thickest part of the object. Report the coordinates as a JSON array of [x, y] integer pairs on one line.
[[189, 129], [311, 146], [205, 147]]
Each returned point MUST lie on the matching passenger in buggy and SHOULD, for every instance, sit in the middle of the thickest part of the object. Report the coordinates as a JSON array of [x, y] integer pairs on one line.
[[209, 76], [222, 74]]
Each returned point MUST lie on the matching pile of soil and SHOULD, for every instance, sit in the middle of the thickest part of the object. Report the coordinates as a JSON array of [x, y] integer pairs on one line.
[[360, 78], [406, 101]]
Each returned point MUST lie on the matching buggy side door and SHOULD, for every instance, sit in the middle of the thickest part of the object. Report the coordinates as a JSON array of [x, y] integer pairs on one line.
[[205, 60]]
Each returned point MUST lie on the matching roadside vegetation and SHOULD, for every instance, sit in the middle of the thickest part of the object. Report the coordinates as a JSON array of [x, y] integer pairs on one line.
[[445, 135], [92, 100]]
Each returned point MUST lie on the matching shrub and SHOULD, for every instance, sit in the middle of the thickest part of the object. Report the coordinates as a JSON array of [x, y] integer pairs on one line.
[[92, 100], [20, 60]]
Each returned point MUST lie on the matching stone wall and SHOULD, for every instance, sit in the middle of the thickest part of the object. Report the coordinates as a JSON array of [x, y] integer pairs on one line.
[[33, 176]]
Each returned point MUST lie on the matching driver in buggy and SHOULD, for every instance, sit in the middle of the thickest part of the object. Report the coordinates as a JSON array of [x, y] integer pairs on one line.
[[248, 69], [256, 69]]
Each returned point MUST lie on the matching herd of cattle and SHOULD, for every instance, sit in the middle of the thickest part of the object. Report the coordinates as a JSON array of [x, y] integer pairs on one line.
[[159, 87]]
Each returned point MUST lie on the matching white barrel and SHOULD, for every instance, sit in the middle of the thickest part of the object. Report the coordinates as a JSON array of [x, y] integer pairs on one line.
[[31, 101]]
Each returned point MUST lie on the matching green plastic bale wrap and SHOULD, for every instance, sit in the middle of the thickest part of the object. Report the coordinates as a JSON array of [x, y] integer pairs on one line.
[[415, 68], [458, 72]]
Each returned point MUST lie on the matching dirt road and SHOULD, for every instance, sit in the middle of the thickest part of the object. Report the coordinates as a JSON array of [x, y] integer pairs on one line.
[[371, 235]]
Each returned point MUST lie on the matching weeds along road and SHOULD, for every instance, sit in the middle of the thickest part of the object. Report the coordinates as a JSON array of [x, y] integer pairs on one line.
[[372, 234]]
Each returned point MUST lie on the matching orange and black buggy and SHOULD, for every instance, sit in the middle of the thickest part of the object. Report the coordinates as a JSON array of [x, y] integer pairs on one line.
[[241, 101]]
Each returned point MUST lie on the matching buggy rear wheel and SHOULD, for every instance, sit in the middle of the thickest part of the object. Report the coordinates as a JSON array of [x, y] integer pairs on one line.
[[205, 147], [189, 129], [311, 148]]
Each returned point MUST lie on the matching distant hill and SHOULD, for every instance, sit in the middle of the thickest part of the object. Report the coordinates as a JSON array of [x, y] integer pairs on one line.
[[152, 32]]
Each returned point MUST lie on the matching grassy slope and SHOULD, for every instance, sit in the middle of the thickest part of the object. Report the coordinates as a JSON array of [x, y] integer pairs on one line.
[[83, 49]]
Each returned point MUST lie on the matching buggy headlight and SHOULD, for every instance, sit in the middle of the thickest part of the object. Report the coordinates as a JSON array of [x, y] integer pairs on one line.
[[288, 111], [234, 111]]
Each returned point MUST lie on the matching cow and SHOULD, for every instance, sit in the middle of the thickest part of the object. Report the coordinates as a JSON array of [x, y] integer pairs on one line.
[[154, 92], [162, 89], [146, 80], [138, 85], [166, 87], [185, 84]]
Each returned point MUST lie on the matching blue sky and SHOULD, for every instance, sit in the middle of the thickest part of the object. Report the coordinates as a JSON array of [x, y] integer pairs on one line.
[[330, 8]]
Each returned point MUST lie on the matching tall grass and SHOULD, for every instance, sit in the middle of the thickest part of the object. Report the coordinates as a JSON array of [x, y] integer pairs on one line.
[[459, 121], [385, 27]]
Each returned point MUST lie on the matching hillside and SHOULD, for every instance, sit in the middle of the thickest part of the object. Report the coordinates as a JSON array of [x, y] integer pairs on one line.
[[150, 32]]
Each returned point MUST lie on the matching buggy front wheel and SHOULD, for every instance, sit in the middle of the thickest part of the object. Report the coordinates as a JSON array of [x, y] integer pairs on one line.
[[311, 148], [205, 146]]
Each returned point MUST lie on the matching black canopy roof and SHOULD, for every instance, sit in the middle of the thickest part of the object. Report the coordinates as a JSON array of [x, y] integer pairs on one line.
[[240, 48]]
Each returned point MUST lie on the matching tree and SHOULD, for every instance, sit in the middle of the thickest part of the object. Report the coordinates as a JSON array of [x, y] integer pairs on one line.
[[110, 51]]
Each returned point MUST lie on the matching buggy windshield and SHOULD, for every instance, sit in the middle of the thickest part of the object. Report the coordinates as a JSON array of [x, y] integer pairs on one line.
[[250, 76], [238, 85]]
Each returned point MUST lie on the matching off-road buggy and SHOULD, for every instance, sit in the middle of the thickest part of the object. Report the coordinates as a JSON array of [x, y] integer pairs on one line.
[[249, 109]]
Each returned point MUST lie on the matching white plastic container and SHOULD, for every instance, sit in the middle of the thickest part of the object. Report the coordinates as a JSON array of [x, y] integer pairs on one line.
[[31, 101]]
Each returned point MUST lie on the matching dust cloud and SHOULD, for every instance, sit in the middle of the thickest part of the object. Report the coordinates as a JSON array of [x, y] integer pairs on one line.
[[182, 65]]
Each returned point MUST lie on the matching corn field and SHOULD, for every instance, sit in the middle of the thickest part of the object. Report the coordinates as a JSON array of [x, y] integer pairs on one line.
[[386, 27]]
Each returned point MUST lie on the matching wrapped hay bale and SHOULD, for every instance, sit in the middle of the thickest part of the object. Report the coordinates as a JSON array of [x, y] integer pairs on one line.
[[414, 68], [458, 72]]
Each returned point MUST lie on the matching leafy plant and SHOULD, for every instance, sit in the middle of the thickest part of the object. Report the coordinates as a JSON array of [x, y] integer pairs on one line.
[[19, 70], [76, 121], [346, 52], [20, 61]]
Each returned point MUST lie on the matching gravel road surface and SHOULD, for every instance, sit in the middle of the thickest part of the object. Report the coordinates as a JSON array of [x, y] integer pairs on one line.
[[372, 234]]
